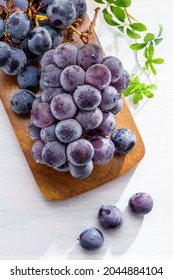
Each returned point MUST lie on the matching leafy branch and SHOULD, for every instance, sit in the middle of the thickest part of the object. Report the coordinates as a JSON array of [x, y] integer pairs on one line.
[[116, 14]]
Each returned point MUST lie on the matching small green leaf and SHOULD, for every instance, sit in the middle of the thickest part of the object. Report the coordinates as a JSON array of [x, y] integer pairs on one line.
[[110, 1], [99, 1], [151, 50], [146, 53], [158, 60], [153, 70], [160, 30], [123, 3], [132, 34], [147, 64], [137, 46], [135, 79], [148, 37], [152, 87], [158, 40], [108, 18], [121, 28], [148, 93], [118, 13], [136, 99], [128, 91], [138, 27]]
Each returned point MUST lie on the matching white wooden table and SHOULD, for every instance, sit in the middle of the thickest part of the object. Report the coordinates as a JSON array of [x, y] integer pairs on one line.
[[32, 227]]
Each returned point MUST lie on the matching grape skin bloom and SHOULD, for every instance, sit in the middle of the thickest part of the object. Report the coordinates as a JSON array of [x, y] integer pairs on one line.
[[99, 76], [63, 107]]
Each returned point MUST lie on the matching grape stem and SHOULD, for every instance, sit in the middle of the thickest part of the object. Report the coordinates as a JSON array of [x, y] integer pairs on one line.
[[85, 36], [92, 25]]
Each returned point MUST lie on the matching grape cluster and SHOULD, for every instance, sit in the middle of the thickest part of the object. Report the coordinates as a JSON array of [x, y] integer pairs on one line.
[[28, 28], [73, 121]]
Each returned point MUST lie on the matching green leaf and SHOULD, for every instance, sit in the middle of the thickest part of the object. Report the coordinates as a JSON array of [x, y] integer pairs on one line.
[[158, 60], [123, 3], [151, 51], [118, 13], [108, 18], [137, 46], [158, 40], [152, 87], [136, 98], [153, 70], [148, 37], [148, 93], [138, 27], [99, 1], [147, 64], [146, 53], [135, 79], [121, 28], [128, 91], [160, 30], [132, 34], [110, 1]]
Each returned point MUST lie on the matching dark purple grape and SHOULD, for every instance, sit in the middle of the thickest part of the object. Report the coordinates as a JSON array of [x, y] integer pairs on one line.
[[91, 239], [63, 168], [103, 150], [65, 55], [17, 62], [41, 115], [87, 97], [141, 203], [107, 125], [37, 101], [47, 134], [109, 98], [115, 66], [124, 140], [118, 106], [29, 78], [71, 77], [68, 130], [31, 57], [22, 5], [47, 58], [61, 13], [50, 77], [89, 55], [80, 152], [81, 172], [2, 27], [123, 82], [55, 34], [63, 107], [80, 7], [54, 154], [49, 93], [36, 151], [5, 54], [18, 25], [22, 101], [98, 75], [89, 119], [39, 40], [34, 131], [110, 217], [46, 3]]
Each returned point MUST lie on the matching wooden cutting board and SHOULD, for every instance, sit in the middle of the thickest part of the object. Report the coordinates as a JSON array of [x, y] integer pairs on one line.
[[56, 185]]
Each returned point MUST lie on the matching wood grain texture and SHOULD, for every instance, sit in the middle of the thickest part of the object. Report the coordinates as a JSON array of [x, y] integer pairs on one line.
[[55, 185]]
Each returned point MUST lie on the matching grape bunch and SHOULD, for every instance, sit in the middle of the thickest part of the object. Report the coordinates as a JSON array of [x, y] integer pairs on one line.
[[73, 120], [29, 28]]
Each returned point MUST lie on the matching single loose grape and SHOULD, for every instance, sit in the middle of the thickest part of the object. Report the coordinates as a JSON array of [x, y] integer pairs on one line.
[[141, 203]]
